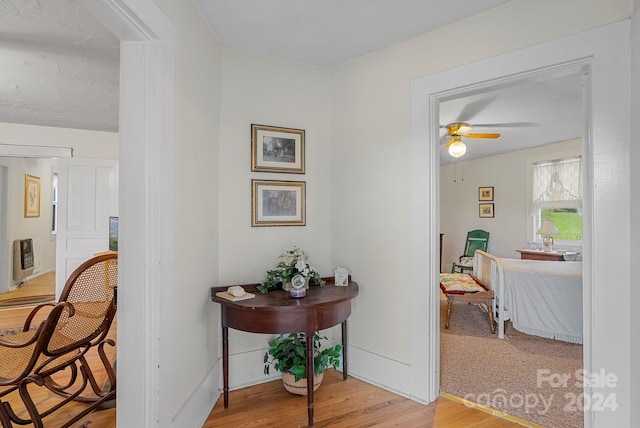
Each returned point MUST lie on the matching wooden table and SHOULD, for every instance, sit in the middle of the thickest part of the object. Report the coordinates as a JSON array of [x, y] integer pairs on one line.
[[546, 255], [278, 313]]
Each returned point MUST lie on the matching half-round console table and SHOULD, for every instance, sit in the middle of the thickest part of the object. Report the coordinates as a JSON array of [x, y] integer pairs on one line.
[[277, 313]]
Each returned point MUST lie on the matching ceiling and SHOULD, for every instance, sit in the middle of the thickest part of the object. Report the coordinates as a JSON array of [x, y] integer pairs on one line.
[[60, 67]]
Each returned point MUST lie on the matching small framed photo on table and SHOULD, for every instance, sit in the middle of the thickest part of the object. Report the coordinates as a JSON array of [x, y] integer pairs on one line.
[[275, 149], [278, 203]]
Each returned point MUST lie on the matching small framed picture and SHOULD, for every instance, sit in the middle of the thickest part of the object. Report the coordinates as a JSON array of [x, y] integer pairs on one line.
[[486, 211], [113, 233], [278, 203], [31, 196], [485, 193], [275, 149]]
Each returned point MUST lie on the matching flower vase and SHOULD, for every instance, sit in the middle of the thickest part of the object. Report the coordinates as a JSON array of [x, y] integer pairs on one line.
[[286, 286]]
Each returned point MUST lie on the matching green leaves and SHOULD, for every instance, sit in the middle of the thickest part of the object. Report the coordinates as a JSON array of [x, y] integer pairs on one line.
[[288, 353]]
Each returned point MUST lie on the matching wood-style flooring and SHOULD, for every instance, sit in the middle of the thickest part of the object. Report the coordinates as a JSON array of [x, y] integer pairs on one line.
[[338, 404], [342, 404]]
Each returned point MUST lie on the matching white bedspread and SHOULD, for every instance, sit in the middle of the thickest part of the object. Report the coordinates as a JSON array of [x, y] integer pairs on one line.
[[544, 298]]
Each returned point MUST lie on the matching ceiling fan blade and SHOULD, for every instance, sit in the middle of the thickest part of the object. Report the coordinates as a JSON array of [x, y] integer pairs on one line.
[[450, 142], [476, 135], [472, 109]]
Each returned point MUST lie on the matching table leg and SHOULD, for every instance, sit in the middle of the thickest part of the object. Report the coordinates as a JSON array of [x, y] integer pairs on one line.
[[310, 376], [225, 360], [344, 350]]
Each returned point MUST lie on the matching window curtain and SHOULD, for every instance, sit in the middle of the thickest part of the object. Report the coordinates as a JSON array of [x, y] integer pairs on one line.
[[557, 184]]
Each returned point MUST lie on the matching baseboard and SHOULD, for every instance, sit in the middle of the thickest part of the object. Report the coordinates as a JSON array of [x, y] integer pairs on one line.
[[195, 410], [380, 371]]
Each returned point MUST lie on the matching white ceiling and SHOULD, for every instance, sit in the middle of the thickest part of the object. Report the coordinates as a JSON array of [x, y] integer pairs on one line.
[[60, 67], [328, 32]]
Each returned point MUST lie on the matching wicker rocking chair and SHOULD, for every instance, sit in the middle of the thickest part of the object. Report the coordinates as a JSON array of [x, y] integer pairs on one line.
[[78, 322]]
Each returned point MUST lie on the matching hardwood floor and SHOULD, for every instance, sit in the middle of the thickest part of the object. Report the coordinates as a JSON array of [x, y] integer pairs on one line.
[[342, 404]]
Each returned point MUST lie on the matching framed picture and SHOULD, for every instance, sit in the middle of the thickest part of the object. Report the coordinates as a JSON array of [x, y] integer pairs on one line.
[[486, 211], [31, 196], [485, 193], [113, 233], [278, 203], [275, 149]]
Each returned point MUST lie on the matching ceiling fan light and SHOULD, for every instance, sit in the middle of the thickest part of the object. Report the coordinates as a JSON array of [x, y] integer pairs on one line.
[[457, 149], [464, 129]]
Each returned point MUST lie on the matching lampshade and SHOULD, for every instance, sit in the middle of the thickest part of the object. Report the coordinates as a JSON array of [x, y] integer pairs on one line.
[[547, 228], [457, 148]]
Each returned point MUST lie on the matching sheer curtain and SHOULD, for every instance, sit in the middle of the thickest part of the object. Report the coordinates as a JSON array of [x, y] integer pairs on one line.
[[557, 184]]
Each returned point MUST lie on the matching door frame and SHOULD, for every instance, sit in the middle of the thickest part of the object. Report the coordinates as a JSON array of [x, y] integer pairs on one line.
[[605, 140], [147, 62]]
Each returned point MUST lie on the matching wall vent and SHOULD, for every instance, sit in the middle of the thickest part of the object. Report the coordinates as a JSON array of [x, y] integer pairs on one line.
[[22, 258]]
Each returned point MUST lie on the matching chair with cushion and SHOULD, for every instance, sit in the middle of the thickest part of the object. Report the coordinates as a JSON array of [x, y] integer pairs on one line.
[[51, 355], [476, 240]]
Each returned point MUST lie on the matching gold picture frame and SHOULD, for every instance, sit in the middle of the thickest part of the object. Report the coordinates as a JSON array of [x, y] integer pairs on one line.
[[485, 193], [31, 196], [278, 203], [486, 211], [276, 149]]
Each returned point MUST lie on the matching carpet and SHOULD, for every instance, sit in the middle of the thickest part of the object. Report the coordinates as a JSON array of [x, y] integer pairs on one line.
[[525, 376], [26, 300]]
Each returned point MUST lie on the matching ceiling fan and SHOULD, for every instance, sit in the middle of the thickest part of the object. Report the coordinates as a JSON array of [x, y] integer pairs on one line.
[[456, 131]]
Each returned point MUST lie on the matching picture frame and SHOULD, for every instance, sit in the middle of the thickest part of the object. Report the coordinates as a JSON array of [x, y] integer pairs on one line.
[[113, 233], [485, 193], [486, 210], [31, 196], [278, 203], [277, 149]]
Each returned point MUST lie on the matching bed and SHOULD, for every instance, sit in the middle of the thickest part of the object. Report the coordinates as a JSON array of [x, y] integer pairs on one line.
[[542, 298]]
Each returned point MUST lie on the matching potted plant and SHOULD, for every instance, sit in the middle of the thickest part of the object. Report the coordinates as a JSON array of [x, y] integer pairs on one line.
[[292, 262], [287, 354]]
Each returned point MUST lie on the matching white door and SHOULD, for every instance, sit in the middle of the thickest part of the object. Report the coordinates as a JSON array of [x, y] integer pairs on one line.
[[87, 197]]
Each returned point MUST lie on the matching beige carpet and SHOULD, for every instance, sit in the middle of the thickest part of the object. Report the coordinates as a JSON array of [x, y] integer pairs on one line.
[[518, 375]]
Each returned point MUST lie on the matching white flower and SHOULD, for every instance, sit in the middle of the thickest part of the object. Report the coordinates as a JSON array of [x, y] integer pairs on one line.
[[301, 264]]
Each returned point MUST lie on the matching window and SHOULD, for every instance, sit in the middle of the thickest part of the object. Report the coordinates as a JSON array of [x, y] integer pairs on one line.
[[54, 203], [557, 193]]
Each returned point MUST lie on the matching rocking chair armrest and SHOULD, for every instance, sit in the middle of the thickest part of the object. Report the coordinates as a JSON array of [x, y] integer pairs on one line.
[[28, 342], [27, 323]]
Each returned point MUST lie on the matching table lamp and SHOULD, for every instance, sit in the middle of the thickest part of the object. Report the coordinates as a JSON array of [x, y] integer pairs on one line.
[[546, 230]]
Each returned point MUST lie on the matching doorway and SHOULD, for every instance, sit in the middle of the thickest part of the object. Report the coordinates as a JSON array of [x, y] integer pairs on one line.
[[604, 51], [519, 111]]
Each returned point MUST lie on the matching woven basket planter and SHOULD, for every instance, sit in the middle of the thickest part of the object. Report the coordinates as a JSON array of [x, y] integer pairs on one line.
[[299, 387]]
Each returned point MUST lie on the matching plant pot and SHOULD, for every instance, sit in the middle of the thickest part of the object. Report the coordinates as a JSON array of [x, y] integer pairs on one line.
[[299, 387]]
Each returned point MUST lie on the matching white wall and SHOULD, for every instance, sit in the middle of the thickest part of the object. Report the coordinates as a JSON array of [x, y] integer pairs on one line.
[[267, 91], [635, 214], [195, 264], [508, 174], [36, 228]]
